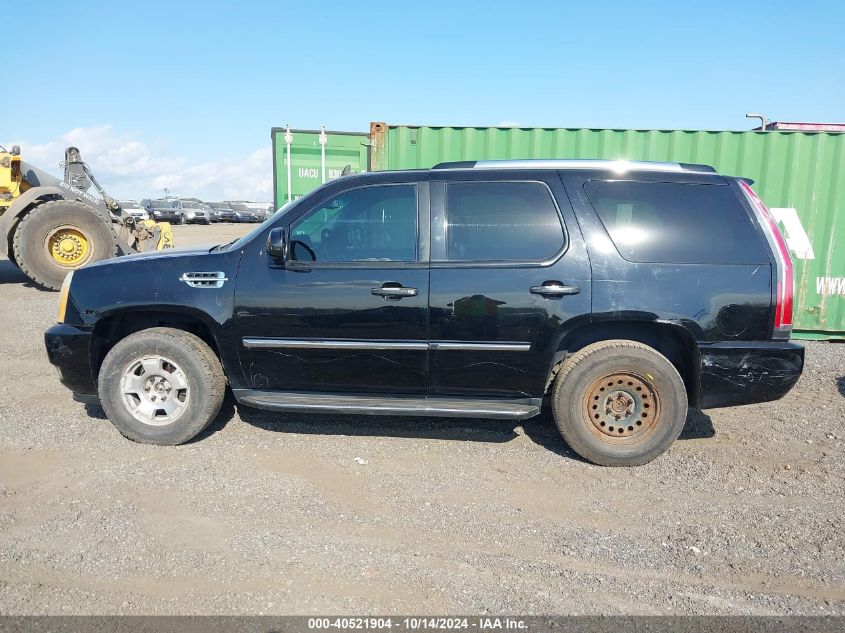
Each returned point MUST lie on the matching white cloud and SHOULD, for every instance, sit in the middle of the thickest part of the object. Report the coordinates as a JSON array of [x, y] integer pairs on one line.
[[128, 167]]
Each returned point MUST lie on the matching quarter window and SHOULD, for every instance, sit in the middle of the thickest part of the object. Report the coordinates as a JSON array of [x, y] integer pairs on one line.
[[367, 224], [665, 222], [501, 221]]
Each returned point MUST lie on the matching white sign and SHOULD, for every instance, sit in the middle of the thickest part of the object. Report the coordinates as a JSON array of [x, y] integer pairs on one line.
[[796, 237]]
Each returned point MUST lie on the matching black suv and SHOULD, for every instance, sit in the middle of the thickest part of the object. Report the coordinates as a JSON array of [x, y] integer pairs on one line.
[[621, 292]]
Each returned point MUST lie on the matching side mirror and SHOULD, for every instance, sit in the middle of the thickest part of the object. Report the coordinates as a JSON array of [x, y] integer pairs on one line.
[[277, 246]]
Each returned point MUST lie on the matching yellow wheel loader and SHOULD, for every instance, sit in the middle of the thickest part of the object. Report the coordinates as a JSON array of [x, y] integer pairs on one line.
[[49, 226]]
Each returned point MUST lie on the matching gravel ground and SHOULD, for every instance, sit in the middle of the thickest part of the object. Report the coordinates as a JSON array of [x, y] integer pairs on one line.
[[282, 514]]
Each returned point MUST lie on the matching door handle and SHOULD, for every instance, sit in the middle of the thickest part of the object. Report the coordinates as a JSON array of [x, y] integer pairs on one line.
[[390, 291], [554, 289]]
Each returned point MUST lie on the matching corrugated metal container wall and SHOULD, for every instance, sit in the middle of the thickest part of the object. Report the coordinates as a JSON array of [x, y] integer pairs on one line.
[[801, 176], [306, 168]]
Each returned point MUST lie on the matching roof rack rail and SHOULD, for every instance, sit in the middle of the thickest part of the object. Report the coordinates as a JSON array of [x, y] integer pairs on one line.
[[560, 163]]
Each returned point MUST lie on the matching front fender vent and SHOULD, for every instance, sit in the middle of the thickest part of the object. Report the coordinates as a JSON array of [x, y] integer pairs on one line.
[[204, 280]]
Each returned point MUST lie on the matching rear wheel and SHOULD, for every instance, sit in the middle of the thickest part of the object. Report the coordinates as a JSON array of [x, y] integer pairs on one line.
[[59, 236], [619, 403], [161, 386]]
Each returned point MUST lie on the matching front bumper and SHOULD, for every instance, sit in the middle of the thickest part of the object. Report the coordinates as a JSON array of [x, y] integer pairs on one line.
[[69, 350], [748, 372]]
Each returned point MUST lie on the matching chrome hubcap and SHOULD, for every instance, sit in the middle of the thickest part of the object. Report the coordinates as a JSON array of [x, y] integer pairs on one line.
[[155, 390]]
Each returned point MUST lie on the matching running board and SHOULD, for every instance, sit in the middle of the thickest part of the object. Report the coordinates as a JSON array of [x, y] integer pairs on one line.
[[385, 405]]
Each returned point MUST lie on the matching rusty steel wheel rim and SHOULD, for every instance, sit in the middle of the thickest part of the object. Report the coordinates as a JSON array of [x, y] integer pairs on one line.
[[621, 408]]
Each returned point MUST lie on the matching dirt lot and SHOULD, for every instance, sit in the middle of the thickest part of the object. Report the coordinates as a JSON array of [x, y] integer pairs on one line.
[[304, 514]]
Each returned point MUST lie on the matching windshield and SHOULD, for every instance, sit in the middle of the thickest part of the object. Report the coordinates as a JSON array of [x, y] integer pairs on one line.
[[191, 205], [129, 204]]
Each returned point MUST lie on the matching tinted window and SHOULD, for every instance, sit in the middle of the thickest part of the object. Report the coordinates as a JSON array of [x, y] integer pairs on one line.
[[676, 223], [367, 224], [495, 221]]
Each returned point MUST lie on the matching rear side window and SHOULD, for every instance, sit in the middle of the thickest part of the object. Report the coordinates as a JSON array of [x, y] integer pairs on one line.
[[664, 222], [501, 221]]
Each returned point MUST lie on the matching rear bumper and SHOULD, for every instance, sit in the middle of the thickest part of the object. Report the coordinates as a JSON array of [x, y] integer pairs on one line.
[[748, 372], [68, 349]]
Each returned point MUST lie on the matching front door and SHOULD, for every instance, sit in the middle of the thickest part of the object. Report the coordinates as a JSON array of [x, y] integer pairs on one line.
[[509, 273], [349, 310]]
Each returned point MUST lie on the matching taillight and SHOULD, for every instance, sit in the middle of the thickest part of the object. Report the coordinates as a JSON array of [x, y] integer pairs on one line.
[[785, 284]]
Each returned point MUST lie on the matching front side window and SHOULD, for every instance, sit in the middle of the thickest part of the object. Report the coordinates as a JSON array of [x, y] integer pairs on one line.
[[370, 224], [501, 221]]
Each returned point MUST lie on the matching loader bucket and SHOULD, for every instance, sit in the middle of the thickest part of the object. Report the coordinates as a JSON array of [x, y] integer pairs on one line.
[[161, 236]]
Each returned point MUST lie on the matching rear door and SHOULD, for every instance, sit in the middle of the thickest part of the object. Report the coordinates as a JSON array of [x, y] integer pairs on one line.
[[509, 274]]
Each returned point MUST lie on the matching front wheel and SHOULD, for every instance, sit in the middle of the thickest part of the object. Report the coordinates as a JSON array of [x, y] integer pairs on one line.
[[619, 403], [161, 386]]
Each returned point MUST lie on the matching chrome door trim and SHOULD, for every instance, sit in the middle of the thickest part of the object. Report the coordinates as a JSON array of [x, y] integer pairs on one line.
[[276, 343], [368, 344], [479, 347]]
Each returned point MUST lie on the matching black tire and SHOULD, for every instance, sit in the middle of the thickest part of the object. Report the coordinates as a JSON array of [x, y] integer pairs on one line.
[[182, 220], [186, 353], [619, 403], [32, 254]]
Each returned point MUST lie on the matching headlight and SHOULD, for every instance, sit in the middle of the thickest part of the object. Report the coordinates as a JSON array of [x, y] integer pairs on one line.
[[156, 212], [63, 294]]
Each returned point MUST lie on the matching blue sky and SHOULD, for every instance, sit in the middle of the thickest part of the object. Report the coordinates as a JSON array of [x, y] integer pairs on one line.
[[183, 93]]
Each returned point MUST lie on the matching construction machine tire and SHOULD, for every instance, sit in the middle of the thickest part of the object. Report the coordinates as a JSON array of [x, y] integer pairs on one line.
[[60, 236]]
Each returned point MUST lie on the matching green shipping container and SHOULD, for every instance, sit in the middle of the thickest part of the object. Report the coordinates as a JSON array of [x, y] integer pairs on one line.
[[799, 175], [307, 168]]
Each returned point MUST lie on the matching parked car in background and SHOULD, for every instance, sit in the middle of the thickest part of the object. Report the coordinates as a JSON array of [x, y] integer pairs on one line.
[[193, 212], [162, 210], [262, 209], [616, 293], [245, 214], [134, 208], [222, 212]]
